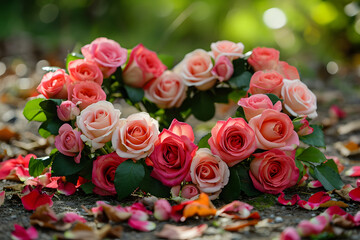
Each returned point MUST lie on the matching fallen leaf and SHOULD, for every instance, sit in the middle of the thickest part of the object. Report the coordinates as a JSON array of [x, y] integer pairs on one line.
[[344, 192], [45, 217], [238, 225], [334, 203], [349, 127], [6, 134]]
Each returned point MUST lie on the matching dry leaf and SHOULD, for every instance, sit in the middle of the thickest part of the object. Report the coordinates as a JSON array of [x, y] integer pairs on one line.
[[82, 231], [344, 192], [173, 232], [238, 225], [6, 134], [45, 217], [334, 203]]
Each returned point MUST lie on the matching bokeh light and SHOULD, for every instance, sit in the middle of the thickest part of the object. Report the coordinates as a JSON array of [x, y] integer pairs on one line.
[[274, 18]]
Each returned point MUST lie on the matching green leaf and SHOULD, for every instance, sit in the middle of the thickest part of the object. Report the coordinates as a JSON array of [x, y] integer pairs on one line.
[[203, 107], [33, 110], [240, 113], [203, 143], [316, 138], [153, 186], [37, 165], [301, 168], [328, 177], [49, 107], [64, 165], [43, 132], [50, 126], [222, 95], [71, 57], [232, 190], [240, 81], [240, 66], [274, 99], [88, 187], [134, 94], [312, 154], [128, 177], [167, 60], [246, 184], [236, 94]]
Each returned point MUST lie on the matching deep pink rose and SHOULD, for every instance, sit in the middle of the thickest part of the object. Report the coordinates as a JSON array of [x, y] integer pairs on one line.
[[266, 82], [264, 58], [166, 91], [273, 171], [97, 123], [171, 158], [143, 66], [85, 93], [195, 70], [274, 129], [223, 69], [53, 85], [67, 111], [299, 100], [135, 136], [287, 71], [256, 104], [232, 140], [227, 48], [81, 70], [209, 173], [106, 53], [103, 173], [68, 142]]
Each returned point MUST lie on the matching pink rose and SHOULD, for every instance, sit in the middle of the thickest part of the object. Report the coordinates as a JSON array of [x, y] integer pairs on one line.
[[106, 53], [195, 70], [223, 69], [273, 171], [171, 158], [97, 123], [143, 66], [85, 93], [103, 173], [226, 48], [181, 128], [287, 71], [68, 142], [135, 136], [166, 91], [266, 82], [232, 140], [274, 129], [67, 111], [81, 70], [264, 58], [188, 191], [209, 173], [298, 99], [53, 84], [256, 104]]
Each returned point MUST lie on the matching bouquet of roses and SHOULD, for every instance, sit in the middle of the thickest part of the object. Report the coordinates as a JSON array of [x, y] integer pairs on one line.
[[256, 151]]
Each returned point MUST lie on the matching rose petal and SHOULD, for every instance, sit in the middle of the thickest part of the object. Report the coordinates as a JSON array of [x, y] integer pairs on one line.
[[71, 217], [289, 233], [162, 210], [355, 194], [35, 199], [353, 171], [315, 226], [173, 232], [144, 226], [315, 184], [21, 233], [294, 199], [66, 188], [314, 201], [242, 209]]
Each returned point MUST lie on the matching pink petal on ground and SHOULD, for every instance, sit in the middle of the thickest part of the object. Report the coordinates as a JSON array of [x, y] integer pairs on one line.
[[353, 171], [334, 210], [140, 206], [355, 194], [71, 217], [315, 184], [66, 188], [173, 232], [2, 197], [314, 201], [22, 173], [358, 182], [240, 208], [138, 221], [294, 199], [357, 218], [21, 233], [315, 226], [35, 199], [162, 210], [289, 233]]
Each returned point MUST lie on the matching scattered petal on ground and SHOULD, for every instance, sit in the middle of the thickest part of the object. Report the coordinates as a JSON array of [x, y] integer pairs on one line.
[[162, 210], [45, 217], [314, 201], [71, 217], [353, 171], [289, 233], [315, 226], [20, 233], [355, 194], [35, 199], [344, 192], [315, 184], [173, 232], [83, 231], [334, 203], [238, 225], [294, 199], [9, 168], [66, 188]]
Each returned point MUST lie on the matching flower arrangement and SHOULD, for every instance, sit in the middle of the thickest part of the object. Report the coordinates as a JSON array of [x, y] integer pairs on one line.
[[154, 151]]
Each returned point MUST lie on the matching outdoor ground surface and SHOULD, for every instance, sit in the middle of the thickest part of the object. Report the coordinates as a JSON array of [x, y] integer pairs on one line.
[[12, 210]]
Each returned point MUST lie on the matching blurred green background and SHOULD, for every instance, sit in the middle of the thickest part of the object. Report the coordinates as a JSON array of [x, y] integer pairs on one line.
[[321, 38]]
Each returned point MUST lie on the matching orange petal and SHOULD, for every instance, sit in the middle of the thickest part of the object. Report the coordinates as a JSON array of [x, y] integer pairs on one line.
[[236, 226]]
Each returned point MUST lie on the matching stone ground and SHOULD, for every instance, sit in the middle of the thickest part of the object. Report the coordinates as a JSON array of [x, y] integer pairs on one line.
[[11, 104]]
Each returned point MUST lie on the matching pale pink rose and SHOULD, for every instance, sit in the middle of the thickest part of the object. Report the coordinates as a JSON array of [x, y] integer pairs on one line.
[[232, 140], [106, 53], [188, 191], [264, 58], [287, 71], [195, 70], [97, 123], [181, 128], [81, 70], [166, 91], [67, 111], [273, 171], [68, 142], [208, 172], [85, 93], [143, 66], [299, 100], [227, 48], [53, 84], [274, 129], [171, 158], [103, 173], [223, 69], [135, 136], [266, 82], [256, 104]]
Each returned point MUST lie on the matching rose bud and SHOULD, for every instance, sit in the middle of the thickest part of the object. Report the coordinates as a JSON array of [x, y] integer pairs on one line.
[[67, 111], [302, 127]]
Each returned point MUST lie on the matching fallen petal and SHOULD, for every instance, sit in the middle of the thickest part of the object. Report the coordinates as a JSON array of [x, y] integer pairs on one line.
[[144, 226], [71, 217], [238, 225], [20, 233], [162, 210], [294, 199], [66, 188], [240, 208], [289, 233], [344, 192], [353, 171], [358, 182], [332, 203], [173, 232], [315, 226], [315, 184], [355, 194], [35, 199]]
